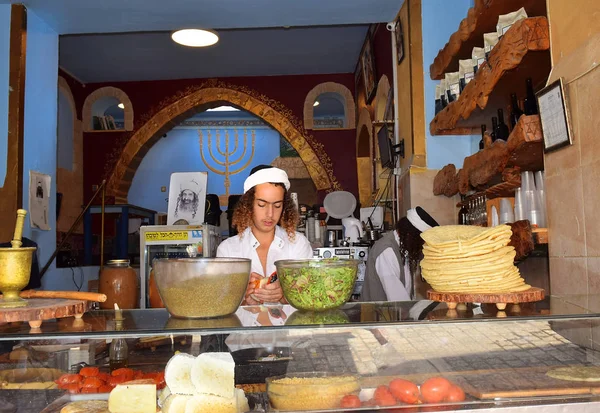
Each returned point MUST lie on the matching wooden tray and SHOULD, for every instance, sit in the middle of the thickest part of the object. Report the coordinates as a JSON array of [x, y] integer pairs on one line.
[[40, 309], [500, 299]]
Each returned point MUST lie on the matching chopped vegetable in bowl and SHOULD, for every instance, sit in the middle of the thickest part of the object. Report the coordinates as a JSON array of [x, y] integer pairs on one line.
[[317, 284]]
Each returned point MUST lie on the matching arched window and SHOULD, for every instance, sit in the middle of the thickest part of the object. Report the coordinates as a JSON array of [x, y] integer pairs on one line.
[[329, 105], [328, 111], [107, 108]]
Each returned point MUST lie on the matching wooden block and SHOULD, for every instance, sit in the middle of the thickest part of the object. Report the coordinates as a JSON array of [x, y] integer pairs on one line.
[[446, 181]]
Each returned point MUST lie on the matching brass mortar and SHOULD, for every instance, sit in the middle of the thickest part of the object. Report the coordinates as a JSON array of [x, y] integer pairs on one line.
[[15, 268]]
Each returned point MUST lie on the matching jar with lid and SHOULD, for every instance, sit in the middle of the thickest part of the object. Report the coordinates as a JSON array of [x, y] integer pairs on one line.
[[120, 284]]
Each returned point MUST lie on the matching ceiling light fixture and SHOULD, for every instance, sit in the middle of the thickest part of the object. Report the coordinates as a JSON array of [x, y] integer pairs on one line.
[[195, 37], [121, 106], [316, 103]]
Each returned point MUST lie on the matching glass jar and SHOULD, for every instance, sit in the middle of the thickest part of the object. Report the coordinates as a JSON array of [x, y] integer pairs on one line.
[[120, 284]]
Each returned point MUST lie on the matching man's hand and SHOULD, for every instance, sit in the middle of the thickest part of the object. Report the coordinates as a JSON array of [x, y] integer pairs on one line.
[[270, 293], [248, 300]]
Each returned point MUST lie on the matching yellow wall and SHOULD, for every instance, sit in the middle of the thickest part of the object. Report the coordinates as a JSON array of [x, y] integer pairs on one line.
[[573, 173]]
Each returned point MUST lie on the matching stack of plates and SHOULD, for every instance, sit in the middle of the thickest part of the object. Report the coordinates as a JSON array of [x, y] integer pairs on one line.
[[470, 259]]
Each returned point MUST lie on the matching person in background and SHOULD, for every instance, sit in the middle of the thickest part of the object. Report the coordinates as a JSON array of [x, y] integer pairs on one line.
[[266, 219], [393, 260]]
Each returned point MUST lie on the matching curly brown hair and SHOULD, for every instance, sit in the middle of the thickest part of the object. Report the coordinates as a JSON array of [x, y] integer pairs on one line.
[[242, 215], [411, 243]]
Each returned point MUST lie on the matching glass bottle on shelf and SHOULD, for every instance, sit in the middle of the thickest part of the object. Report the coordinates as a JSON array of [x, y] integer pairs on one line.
[[515, 112], [494, 127], [482, 141], [118, 351], [502, 131], [530, 104], [462, 212]]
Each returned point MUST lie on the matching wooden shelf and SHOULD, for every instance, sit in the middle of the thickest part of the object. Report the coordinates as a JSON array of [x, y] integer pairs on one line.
[[481, 18], [540, 235], [522, 52], [526, 151]]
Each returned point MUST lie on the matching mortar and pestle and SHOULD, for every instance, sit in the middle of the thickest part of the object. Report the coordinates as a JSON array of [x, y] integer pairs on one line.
[[15, 267]]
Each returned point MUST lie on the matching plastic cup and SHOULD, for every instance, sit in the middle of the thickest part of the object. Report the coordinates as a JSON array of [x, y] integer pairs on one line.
[[520, 206], [527, 182], [540, 181], [506, 211]]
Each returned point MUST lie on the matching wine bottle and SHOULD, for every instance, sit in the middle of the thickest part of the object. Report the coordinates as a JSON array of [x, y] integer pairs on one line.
[[515, 112], [530, 104], [482, 141], [494, 128], [502, 128]]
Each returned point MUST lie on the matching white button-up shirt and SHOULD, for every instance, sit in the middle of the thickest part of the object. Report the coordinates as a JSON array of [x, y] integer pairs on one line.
[[282, 248], [388, 269]]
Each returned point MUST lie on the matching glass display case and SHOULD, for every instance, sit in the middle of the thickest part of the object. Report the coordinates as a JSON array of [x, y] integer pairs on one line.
[[173, 241], [529, 355]]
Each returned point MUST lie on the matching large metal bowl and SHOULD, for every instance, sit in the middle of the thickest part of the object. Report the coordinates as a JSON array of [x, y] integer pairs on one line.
[[317, 284], [201, 287]]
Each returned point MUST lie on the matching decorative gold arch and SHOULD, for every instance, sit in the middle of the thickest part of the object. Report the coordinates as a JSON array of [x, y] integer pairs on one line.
[[210, 94]]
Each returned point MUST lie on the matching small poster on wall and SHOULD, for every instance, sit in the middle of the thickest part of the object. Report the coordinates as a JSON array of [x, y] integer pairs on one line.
[[39, 200], [187, 195]]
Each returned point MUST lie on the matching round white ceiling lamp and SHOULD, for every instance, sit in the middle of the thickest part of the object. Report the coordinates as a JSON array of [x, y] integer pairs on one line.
[[316, 103], [195, 37]]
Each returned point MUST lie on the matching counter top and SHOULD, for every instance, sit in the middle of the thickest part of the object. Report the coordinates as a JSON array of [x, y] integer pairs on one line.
[[151, 322]]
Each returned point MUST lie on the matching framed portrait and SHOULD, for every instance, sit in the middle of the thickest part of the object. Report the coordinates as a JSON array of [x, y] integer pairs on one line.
[[399, 40], [187, 197], [367, 62], [554, 116]]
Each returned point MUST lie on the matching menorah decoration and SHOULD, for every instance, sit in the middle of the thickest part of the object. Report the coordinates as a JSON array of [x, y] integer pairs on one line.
[[225, 161]]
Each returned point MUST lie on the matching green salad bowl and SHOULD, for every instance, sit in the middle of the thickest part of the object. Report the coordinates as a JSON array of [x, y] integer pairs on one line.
[[317, 284]]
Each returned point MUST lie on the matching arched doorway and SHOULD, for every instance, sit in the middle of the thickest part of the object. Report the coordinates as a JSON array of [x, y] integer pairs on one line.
[[311, 152]]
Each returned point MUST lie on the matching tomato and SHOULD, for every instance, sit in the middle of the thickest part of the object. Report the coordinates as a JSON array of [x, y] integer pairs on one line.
[[350, 401], [69, 379], [383, 396], [89, 371], [117, 380], [455, 394], [435, 389], [92, 382], [105, 377], [405, 391], [105, 389], [89, 390], [124, 371], [71, 387]]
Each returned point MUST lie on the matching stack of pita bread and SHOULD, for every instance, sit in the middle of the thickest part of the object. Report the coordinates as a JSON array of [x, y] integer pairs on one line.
[[470, 259]]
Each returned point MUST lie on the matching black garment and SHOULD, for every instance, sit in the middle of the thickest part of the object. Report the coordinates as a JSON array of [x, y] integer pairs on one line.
[[35, 278]]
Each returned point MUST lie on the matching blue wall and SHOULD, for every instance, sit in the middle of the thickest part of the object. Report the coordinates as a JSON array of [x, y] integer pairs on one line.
[[41, 84], [180, 152], [440, 19], [4, 62], [65, 133]]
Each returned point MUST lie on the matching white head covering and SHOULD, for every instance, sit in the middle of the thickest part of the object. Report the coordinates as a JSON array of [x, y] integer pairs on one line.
[[274, 175], [190, 185], [416, 220]]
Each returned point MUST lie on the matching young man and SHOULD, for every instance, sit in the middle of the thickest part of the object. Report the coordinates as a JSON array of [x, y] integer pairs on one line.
[[266, 219], [394, 259]]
